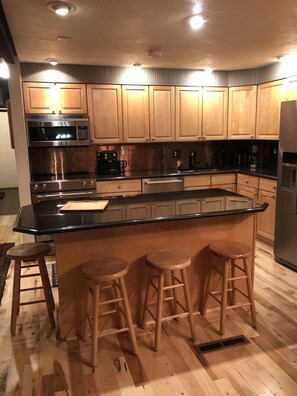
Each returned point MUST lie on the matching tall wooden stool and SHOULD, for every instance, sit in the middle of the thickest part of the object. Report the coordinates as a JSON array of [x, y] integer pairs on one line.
[[166, 263], [230, 252], [112, 271], [30, 252]]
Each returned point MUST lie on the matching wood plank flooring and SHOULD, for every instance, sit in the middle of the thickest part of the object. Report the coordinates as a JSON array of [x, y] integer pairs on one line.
[[35, 362]]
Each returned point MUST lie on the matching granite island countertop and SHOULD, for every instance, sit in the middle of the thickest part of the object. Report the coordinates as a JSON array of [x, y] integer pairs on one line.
[[46, 218]]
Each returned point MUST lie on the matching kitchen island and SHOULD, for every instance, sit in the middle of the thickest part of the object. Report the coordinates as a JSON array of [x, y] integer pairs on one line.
[[131, 227]]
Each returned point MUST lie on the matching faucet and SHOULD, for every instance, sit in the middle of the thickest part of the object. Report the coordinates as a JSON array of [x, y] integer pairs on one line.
[[192, 160], [178, 164]]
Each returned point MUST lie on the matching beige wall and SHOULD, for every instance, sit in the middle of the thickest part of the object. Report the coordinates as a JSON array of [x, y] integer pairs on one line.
[[8, 174]]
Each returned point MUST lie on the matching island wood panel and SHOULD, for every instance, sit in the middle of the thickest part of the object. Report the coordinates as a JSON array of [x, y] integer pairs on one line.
[[132, 243]]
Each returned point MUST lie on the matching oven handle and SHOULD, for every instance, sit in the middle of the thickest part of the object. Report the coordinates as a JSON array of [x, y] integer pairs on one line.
[[163, 181], [44, 197]]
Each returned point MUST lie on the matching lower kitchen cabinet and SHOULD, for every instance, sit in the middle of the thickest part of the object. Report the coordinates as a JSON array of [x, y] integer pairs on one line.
[[226, 181], [138, 211], [188, 206], [233, 203], [212, 204], [266, 220], [116, 213], [247, 185], [163, 209], [197, 182], [118, 187]]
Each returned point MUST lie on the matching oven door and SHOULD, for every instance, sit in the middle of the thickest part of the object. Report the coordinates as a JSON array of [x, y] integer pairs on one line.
[[85, 194]]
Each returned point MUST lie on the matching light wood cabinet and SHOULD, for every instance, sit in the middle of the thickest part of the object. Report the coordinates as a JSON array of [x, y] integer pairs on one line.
[[233, 203], [188, 113], [135, 113], [214, 113], [247, 186], [242, 112], [269, 99], [118, 187], [187, 206], [226, 181], [50, 98], [163, 209], [212, 204], [162, 113], [105, 112], [266, 219], [196, 182], [138, 211]]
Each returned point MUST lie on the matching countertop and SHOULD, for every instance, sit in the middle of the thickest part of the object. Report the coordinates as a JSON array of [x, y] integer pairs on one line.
[[45, 217], [268, 173]]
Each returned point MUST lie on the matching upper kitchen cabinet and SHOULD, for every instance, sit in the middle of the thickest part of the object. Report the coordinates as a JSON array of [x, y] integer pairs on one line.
[[105, 111], [50, 98], [162, 113], [214, 114], [135, 113], [269, 99], [242, 112], [290, 88], [188, 113]]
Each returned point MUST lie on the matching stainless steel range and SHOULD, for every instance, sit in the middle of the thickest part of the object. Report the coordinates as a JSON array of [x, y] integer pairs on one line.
[[63, 186]]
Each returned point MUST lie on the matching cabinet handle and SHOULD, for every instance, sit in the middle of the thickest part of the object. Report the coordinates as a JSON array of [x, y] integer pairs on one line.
[[119, 187]]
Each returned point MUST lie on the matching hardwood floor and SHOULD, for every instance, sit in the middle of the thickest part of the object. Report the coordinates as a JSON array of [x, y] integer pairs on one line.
[[35, 362]]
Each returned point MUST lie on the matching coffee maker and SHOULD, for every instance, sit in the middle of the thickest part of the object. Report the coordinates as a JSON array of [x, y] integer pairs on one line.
[[108, 163], [255, 156]]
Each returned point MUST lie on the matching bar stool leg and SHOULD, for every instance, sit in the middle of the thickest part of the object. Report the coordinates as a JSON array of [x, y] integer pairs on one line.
[[232, 270], [47, 291], [95, 325], [159, 310], [15, 296], [128, 315], [250, 292], [188, 303], [117, 289], [146, 299], [86, 325], [207, 291], [174, 295], [224, 297]]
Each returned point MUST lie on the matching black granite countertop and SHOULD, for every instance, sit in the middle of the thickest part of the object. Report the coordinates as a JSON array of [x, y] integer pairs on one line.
[[46, 218], [269, 173]]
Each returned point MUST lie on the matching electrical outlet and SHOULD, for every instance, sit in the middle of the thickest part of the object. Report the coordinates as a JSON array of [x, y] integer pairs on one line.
[[176, 153]]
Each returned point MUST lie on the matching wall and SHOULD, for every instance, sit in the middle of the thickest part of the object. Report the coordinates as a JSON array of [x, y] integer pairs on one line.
[[8, 174]]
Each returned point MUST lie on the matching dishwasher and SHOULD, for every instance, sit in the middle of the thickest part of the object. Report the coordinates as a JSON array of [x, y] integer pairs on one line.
[[162, 184]]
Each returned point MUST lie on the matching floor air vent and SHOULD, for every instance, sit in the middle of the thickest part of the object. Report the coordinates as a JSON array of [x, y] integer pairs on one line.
[[220, 344]]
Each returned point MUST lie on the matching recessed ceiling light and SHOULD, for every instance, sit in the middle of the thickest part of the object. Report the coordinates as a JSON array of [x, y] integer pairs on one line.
[[53, 62], [154, 52], [137, 65], [196, 22], [4, 71], [208, 70], [61, 7]]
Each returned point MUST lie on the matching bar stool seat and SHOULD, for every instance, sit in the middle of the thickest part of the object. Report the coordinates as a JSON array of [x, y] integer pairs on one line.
[[110, 270], [230, 252], [166, 263], [30, 252]]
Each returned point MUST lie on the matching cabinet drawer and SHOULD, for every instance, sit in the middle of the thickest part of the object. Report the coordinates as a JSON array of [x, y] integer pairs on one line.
[[249, 181], [196, 182], [247, 192], [228, 178], [267, 185], [119, 187], [228, 187]]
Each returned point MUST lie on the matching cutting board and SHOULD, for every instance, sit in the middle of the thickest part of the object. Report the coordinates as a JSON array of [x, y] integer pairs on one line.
[[84, 205]]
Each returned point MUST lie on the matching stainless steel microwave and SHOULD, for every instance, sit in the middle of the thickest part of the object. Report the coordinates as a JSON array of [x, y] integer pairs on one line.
[[57, 130]]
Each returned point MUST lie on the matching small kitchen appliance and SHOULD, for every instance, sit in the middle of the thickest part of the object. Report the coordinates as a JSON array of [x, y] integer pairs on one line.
[[255, 157], [108, 163]]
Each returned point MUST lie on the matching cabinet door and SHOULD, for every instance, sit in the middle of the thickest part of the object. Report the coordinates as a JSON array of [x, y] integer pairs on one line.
[[214, 115], [138, 211], [162, 113], [188, 206], [248, 181], [247, 191], [266, 219], [105, 111], [196, 182], [290, 88], [163, 209], [188, 113], [120, 187], [135, 113], [242, 112], [212, 204], [233, 203], [72, 98], [269, 99], [38, 98]]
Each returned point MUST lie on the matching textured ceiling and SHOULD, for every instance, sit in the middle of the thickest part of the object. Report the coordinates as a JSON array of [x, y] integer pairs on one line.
[[238, 34]]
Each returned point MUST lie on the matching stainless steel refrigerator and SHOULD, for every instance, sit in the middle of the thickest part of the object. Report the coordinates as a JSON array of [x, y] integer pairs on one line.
[[285, 247]]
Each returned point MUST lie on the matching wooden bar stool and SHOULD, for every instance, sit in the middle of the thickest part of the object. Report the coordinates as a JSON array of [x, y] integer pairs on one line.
[[230, 252], [30, 252], [112, 271], [166, 263]]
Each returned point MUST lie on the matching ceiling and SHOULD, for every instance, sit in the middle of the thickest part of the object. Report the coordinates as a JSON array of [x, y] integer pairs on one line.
[[238, 34]]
